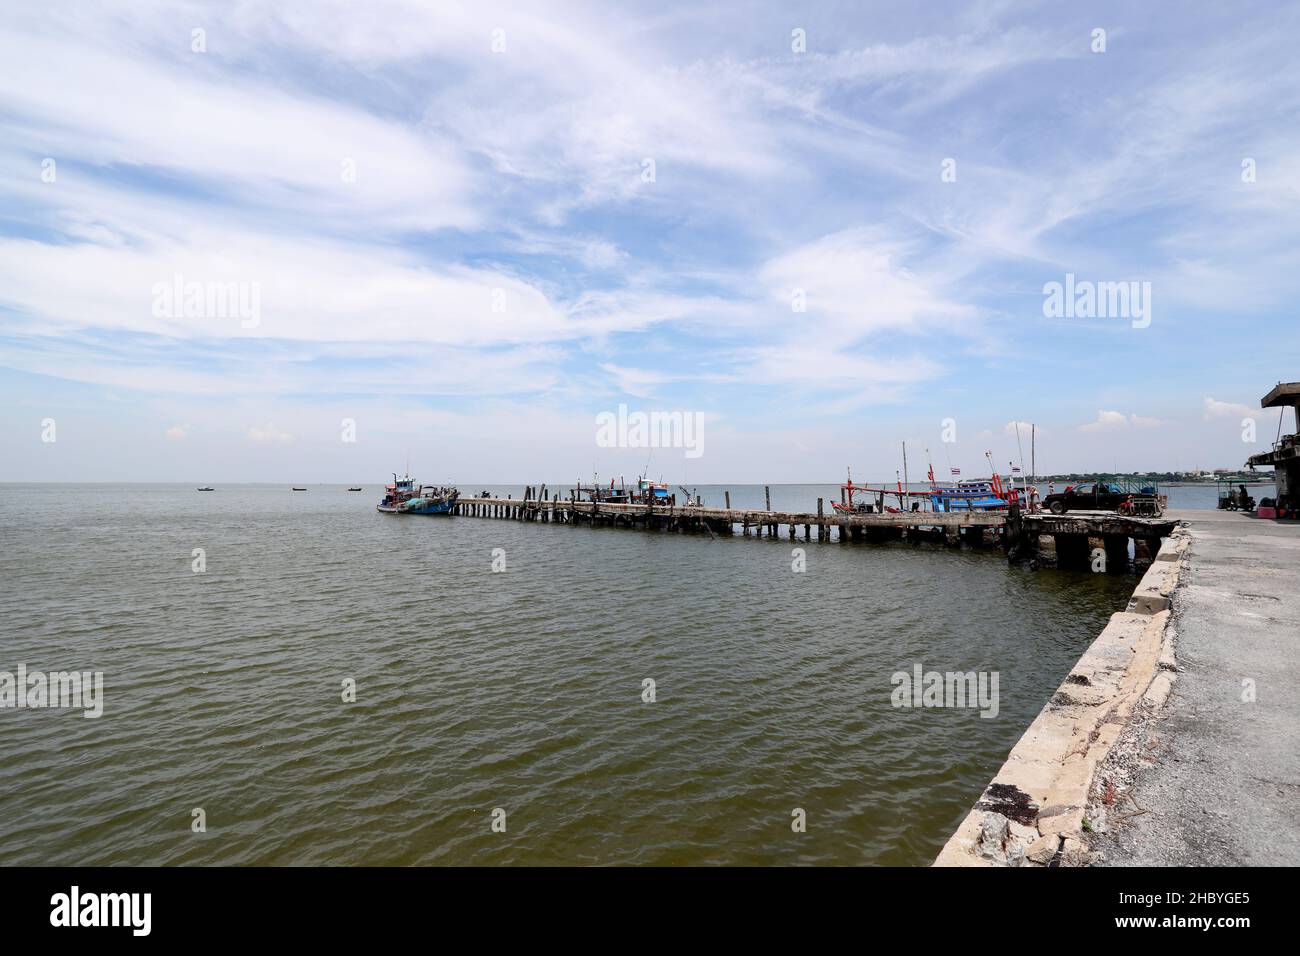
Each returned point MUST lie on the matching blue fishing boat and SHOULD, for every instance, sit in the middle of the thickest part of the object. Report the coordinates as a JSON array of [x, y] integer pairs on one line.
[[406, 497], [985, 494], [652, 492], [981, 495]]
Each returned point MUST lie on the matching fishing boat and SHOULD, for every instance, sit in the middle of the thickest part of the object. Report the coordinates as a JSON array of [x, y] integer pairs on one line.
[[643, 492], [297, 489], [849, 505], [971, 495], [207, 489], [406, 497], [974, 494], [358, 488], [604, 495], [982, 494], [652, 492]]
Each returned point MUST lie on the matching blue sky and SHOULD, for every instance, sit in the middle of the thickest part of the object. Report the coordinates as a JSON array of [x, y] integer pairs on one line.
[[499, 270]]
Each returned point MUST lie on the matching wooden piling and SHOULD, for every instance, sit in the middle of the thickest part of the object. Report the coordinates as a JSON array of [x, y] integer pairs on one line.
[[1038, 538]]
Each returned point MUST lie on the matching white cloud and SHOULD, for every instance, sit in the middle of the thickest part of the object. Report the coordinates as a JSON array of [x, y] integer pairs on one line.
[[857, 282], [314, 291], [775, 171], [1117, 421], [257, 142], [177, 432], [828, 367], [635, 381], [268, 433], [1217, 409], [1025, 428]]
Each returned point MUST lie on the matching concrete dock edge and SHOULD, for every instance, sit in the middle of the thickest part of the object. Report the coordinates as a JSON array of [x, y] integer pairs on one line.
[[1033, 813]]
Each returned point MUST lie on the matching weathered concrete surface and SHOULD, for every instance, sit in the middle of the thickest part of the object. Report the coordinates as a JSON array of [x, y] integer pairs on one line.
[[1154, 592], [1039, 808], [1215, 780], [1033, 813]]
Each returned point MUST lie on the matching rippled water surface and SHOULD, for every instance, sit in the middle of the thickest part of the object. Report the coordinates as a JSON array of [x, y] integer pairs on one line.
[[477, 690]]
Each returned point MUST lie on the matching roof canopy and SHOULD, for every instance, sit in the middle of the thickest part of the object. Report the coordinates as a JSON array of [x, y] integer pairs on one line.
[[1283, 394]]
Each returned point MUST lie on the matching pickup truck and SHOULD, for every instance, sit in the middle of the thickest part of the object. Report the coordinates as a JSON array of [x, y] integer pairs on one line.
[[1091, 497]]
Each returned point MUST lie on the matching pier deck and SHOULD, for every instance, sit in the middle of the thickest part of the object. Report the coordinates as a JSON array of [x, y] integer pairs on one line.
[[561, 509], [1222, 786], [1046, 540]]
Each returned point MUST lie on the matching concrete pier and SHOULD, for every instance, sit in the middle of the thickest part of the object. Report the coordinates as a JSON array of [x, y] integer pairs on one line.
[[1173, 740], [1036, 810], [1215, 779]]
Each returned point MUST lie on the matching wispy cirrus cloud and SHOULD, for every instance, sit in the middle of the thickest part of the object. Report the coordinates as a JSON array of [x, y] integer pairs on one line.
[[430, 215]]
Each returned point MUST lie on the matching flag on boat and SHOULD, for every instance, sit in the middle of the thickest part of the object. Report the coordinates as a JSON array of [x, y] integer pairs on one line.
[[1015, 469], [956, 472]]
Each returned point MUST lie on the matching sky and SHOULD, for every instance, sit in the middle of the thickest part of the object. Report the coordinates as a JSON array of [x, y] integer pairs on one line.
[[456, 234]]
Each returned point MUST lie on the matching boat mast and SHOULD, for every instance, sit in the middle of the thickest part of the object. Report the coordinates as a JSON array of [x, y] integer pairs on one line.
[[995, 479], [1024, 480], [1033, 463], [905, 481]]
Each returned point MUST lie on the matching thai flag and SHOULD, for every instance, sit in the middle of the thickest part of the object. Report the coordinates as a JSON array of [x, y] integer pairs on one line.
[[1015, 469], [956, 472]]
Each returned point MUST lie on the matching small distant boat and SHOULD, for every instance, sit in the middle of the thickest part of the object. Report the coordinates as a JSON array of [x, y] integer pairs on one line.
[[207, 489], [406, 497], [357, 488], [299, 489]]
